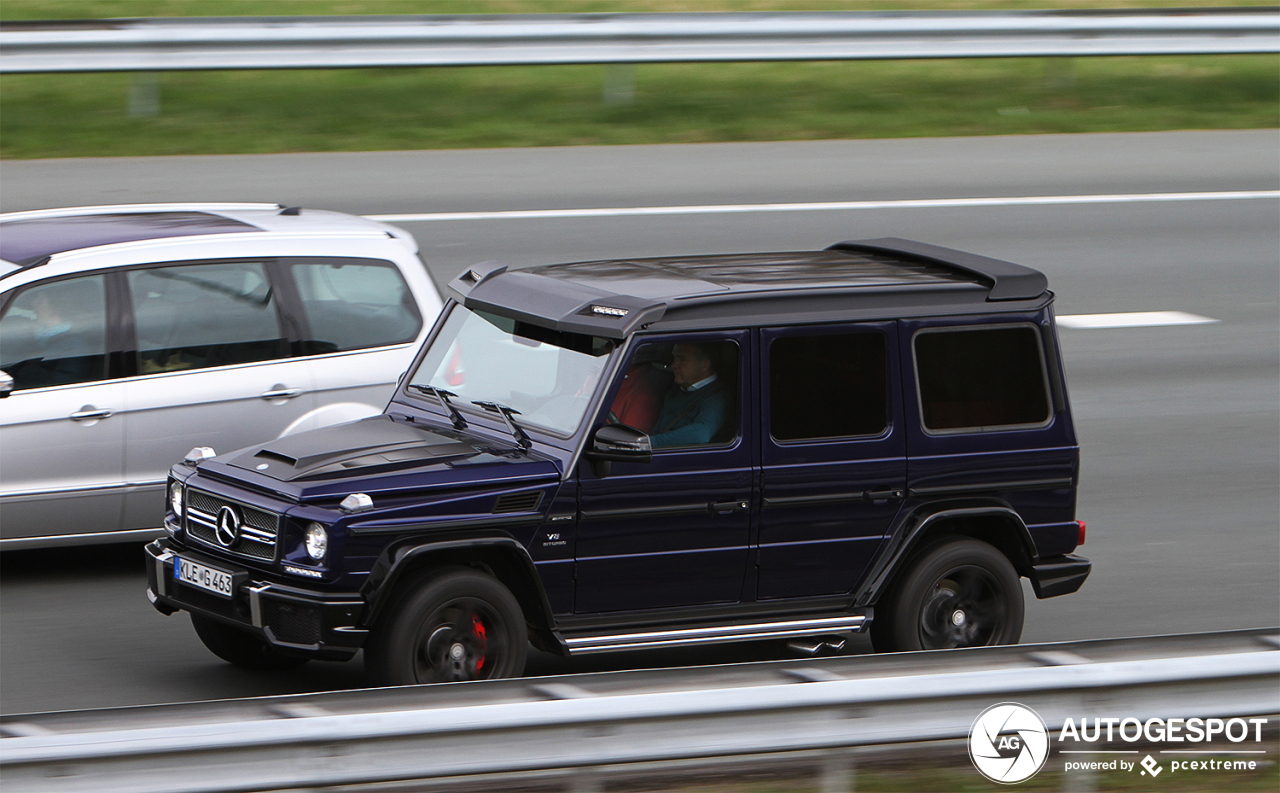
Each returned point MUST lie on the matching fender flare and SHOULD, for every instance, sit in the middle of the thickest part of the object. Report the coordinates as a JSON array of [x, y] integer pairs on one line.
[[914, 529], [401, 558]]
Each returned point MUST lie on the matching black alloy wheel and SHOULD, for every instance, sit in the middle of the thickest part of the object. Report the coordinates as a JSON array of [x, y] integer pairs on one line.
[[457, 625], [957, 593]]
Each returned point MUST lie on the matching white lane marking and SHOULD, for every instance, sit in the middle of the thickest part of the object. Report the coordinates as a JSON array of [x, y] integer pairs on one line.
[[1132, 319], [826, 206]]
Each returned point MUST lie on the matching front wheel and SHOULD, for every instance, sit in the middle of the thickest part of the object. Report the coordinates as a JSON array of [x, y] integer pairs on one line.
[[459, 625], [958, 593]]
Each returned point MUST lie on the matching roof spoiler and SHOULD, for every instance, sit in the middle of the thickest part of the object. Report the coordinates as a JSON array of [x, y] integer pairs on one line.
[[1008, 281]]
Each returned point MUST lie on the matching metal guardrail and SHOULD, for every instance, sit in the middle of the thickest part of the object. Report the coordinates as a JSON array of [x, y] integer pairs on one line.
[[344, 42], [469, 731]]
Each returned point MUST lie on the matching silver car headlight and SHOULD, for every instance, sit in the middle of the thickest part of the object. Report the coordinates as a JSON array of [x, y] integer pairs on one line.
[[317, 541], [175, 498]]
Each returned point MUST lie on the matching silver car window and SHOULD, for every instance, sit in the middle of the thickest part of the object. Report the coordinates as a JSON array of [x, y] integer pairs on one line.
[[354, 305], [55, 333], [201, 315]]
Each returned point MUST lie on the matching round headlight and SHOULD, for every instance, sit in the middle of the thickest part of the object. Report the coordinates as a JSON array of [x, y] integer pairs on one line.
[[317, 541], [175, 498]]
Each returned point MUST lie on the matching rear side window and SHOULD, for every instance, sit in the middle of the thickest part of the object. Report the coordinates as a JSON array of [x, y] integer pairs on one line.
[[981, 378], [829, 386], [56, 334], [350, 306], [200, 315]]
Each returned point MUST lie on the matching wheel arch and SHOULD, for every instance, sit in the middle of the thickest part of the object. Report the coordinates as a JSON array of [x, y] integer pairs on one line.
[[498, 555], [995, 524]]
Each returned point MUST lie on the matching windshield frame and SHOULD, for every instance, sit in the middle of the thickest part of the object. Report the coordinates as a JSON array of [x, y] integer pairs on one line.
[[480, 418]]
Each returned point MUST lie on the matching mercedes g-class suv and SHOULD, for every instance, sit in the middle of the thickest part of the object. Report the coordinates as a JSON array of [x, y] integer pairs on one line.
[[646, 453]]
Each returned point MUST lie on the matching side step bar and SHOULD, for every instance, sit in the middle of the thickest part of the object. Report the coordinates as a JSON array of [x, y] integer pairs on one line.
[[582, 645]]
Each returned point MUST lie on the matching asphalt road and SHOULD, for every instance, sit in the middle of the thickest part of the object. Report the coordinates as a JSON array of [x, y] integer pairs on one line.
[[1180, 425]]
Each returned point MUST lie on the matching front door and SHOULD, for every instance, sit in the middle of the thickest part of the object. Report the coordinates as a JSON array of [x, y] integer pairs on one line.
[[673, 532], [833, 452], [61, 431]]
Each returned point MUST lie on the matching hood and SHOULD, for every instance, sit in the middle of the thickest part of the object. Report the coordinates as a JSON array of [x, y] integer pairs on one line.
[[376, 445]]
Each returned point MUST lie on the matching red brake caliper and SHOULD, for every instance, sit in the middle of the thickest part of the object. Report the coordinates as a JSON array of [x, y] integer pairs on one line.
[[477, 628]]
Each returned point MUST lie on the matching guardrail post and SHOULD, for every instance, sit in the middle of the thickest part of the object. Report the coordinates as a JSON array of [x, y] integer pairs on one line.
[[839, 773], [144, 95], [619, 83]]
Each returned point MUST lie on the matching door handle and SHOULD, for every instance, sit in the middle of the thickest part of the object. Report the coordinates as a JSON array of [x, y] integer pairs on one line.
[[91, 413], [726, 507], [883, 495], [280, 392]]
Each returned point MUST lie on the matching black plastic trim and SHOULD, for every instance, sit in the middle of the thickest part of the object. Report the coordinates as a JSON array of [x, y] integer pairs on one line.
[[983, 487], [1059, 575]]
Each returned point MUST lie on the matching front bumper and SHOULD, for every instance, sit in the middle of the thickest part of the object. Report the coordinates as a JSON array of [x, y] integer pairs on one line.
[[1059, 575], [319, 625]]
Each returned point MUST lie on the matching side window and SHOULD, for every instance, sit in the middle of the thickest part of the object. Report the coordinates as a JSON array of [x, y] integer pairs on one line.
[[981, 378], [200, 315], [682, 394], [351, 306], [56, 333], [828, 386]]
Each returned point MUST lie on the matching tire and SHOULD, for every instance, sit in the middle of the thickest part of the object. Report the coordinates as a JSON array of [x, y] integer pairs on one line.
[[459, 624], [241, 647], [956, 593]]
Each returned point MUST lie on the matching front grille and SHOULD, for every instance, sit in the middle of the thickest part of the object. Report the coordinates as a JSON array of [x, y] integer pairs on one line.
[[258, 528], [291, 622]]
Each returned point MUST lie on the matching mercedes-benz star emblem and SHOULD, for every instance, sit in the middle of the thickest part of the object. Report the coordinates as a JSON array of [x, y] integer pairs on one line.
[[228, 527]]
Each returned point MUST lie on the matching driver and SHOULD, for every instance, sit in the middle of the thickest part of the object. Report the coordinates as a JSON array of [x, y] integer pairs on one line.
[[696, 405]]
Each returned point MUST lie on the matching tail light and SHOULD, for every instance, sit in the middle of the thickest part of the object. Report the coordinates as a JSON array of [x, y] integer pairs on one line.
[[1080, 523]]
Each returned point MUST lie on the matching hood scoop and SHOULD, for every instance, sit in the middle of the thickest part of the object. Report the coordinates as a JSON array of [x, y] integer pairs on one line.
[[377, 442]]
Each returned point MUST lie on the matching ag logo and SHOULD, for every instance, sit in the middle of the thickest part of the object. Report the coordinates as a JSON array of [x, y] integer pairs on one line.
[[1008, 743]]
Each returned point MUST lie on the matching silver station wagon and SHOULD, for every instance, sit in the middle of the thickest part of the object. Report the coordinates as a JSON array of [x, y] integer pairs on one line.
[[132, 334]]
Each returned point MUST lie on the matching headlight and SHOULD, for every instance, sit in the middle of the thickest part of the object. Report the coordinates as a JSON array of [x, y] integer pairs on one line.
[[317, 541], [175, 498]]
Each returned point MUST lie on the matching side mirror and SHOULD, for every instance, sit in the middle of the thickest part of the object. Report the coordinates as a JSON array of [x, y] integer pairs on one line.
[[618, 443], [6, 384]]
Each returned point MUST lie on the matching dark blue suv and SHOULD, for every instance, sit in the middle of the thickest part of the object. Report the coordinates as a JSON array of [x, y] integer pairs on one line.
[[649, 453]]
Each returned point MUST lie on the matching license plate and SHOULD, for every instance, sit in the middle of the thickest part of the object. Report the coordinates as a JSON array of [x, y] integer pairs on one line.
[[215, 581]]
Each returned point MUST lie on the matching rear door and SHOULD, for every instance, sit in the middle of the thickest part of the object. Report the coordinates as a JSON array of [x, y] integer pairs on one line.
[[833, 453], [213, 370]]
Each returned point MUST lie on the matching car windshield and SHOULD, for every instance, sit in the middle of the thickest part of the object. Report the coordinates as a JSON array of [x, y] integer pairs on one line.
[[547, 376]]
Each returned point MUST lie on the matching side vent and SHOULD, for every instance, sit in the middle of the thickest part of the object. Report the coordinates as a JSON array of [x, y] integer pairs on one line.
[[518, 502]]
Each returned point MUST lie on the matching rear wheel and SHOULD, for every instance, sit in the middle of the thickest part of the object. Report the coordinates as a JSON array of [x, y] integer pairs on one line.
[[957, 593], [241, 647], [457, 625]]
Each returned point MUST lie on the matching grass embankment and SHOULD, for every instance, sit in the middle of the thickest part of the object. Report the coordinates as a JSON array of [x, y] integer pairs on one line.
[[378, 109]]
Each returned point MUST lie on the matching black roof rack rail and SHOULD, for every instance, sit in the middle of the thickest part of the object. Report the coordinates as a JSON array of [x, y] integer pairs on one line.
[[1008, 281]]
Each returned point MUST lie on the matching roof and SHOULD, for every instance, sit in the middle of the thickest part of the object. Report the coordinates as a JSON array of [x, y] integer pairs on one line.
[[849, 280], [29, 239]]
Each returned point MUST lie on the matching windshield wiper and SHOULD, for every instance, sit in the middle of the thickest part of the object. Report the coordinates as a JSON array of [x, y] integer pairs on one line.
[[442, 396], [502, 410]]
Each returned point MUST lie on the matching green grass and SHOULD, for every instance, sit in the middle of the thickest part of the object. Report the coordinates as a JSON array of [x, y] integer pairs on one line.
[[77, 115], [381, 109]]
